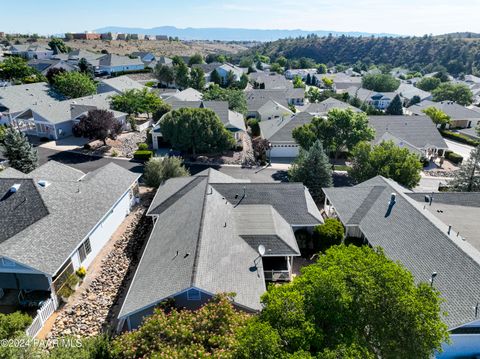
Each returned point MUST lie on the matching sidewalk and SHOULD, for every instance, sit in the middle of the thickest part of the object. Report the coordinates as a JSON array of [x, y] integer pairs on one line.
[[65, 144]]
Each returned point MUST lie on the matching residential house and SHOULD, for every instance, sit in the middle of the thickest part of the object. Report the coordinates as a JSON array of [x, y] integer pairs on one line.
[[216, 234], [460, 115], [145, 56], [43, 65], [435, 236], [278, 132], [233, 121], [379, 100], [73, 57], [417, 133], [189, 94], [29, 51], [341, 81], [290, 74], [224, 69], [267, 104], [55, 220], [408, 91], [322, 108], [270, 81], [119, 84], [111, 64]]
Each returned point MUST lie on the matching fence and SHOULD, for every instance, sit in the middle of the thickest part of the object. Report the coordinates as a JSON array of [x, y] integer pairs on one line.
[[45, 311]]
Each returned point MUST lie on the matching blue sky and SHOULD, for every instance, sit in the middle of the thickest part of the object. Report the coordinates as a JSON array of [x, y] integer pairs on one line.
[[415, 17]]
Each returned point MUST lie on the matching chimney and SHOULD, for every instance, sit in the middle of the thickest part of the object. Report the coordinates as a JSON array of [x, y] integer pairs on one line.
[[15, 187]]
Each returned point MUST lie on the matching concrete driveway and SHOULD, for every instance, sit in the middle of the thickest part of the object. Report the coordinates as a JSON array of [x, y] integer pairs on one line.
[[460, 148]]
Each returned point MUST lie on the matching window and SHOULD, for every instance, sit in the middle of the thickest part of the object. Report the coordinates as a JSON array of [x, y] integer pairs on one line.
[[84, 250], [194, 294]]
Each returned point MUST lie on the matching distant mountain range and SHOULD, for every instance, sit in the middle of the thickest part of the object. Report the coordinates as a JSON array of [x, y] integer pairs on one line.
[[229, 34]]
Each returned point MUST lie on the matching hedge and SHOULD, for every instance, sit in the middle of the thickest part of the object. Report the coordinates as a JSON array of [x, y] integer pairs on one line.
[[143, 155], [459, 137], [453, 157]]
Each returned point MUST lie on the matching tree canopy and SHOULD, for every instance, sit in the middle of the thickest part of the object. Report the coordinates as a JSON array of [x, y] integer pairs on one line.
[[235, 98], [313, 169], [467, 178], [16, 69], [57, 45], [438, 116], [428, 83], [74, 84], [458, 93], [98, 125], [380, 82], [195, 59], [158, 170], [19, 151], [135, 101], [395, 107], [197, 79], [164, 74], [196, 130], [328, 307], [385, 159], [341, 130]]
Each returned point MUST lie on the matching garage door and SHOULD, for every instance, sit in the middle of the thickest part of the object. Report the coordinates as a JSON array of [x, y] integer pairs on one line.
[[290, 152]]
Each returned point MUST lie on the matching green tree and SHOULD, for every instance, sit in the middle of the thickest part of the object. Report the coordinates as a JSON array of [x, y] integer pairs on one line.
[[215, 77], [276, 67], [385, 159], [98, 125], [74, 84], [195, 59], [297, 82], [20, 153], [395, 107], [349, 289], [322, 69], [428, 83], [135, 102], [197, 78], [164, 74], [414, 100], [235, 98], [458, 93], [313, 169], [329, 233], [14, 324], [341, 130], [315, 95], [242, 84], [86, 68], [467, 178], [159, 169], [182, 77], [15, 68], [196, 130], [207, 332], [57, 45], [282, 61], [380, 82], [51, 73], [161, 110], [438, 116], [327, 82], [257, 340]]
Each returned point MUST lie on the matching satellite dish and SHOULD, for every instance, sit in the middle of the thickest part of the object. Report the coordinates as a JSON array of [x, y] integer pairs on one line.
[[261, 250]]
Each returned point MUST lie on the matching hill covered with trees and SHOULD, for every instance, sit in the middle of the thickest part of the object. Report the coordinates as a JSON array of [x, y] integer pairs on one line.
[[457, 55]]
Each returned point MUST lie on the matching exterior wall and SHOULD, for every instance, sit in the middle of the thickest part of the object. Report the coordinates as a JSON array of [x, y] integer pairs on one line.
[[102, 233], [113, 69], [63, 129]]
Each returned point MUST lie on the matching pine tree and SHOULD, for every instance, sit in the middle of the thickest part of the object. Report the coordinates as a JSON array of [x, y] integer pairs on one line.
[[395, 107], [20, 153], [309, 79], [467, 178], [312, 168]]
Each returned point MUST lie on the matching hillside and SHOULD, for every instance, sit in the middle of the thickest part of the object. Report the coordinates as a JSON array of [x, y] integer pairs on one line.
[[457, 55], [228, 34]]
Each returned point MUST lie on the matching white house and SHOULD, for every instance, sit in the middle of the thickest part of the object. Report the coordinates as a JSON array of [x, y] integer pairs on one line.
[[55, 220], [111, 64], [32, 51]]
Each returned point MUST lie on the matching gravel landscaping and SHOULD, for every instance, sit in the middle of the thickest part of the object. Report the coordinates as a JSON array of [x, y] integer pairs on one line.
[[95, 309]]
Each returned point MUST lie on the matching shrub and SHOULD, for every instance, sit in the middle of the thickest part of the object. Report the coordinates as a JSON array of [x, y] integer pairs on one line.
[[254, 124], [328, 234], [142, 146], [158, 170], [150, 83], [65, 291], [12, 325], [72, 281], [81, 272], [143, 155], [453, 157], [114, 153], [459, 137]]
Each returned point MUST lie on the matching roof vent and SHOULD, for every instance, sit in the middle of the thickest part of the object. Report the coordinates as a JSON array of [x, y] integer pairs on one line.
[[393, 199], [43, 183], [15, 187]]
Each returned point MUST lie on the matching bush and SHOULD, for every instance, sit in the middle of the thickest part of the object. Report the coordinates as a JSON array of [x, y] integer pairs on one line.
[[81, 272], [328, 234], [150, 83], [254, 124], [459, 137], [158, 170], [142, 146], [12, 325], [453, 157], [143, 155], [114, 153]]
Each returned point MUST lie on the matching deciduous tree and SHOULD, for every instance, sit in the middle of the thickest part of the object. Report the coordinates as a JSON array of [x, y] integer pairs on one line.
[[159, 169], [458, 93], [438, 116], [197, 78], [380, 82], [74, 84], [98, 125], [235, 98], [467, 178]]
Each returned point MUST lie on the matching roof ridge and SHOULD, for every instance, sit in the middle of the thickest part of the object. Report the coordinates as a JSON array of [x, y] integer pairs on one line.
[[366, 204], [199, 236]]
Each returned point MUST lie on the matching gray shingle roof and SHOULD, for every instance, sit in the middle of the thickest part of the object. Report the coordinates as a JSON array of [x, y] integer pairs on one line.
[[418, 131], [194, 216], [75, 205], [111, 60], [19, 98], [279, 130], [257, 98], [452, 109], [416, 238], [322, 108]]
